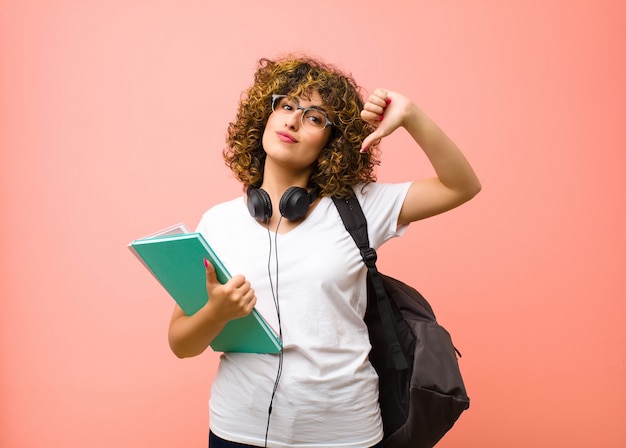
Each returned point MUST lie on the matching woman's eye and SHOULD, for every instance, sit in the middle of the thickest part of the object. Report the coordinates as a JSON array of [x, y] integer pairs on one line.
[[287, 105], [315, 118]]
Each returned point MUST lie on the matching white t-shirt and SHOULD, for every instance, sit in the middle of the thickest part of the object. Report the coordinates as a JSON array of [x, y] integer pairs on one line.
[[328, 392]]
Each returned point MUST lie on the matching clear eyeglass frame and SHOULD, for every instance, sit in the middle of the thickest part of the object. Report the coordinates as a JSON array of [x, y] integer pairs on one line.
[[309, 114]]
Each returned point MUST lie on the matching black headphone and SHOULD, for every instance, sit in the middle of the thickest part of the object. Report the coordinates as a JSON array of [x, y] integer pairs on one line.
[[293, 205]]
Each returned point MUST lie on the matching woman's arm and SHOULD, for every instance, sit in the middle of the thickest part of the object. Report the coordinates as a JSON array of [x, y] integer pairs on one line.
[[191, 335], [455, 182]]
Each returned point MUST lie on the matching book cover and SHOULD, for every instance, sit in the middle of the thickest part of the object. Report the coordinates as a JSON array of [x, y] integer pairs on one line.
[[175, 258]]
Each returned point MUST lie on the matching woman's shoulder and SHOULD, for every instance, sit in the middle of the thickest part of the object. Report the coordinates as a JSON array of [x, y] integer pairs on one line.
[[376, 191], [227, 206], [223, 211]]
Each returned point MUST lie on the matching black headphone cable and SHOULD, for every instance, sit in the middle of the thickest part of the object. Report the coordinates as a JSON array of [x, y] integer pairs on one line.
[[274, 289]]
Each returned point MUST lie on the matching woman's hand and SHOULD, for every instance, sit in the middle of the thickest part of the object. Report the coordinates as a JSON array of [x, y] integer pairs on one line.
[[231, 300], [387, 111], [191, 335]]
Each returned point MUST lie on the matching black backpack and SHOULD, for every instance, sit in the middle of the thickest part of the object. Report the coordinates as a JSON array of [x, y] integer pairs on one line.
[[421, 390]]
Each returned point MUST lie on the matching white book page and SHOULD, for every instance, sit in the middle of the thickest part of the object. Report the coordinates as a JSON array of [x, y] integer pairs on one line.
[[176, 229]]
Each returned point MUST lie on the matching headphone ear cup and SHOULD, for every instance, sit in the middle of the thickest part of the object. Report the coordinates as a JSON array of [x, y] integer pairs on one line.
[[259, 204], [294, 203]]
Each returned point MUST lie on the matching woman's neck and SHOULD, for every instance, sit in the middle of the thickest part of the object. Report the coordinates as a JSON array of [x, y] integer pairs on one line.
[[277, 181]]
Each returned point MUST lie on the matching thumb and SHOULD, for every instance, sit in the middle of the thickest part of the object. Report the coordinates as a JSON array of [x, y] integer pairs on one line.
[[370, 140], [211, 277]]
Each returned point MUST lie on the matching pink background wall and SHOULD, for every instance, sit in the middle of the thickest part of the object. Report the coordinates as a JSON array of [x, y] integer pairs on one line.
[[112, 119]]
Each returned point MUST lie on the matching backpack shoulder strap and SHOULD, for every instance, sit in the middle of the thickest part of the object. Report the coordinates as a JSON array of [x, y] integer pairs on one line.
[[356, 224]]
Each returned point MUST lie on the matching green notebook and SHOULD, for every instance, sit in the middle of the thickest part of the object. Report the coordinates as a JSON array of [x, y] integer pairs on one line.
[[175, 258]]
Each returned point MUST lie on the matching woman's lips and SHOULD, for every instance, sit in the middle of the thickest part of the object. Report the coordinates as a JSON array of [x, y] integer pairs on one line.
[[286, 137]]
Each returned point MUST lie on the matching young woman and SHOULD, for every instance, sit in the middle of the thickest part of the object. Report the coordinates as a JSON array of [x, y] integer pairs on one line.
[[302, 135]]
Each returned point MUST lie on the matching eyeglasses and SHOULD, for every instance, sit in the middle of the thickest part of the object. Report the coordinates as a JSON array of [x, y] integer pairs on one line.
[[312, 118]]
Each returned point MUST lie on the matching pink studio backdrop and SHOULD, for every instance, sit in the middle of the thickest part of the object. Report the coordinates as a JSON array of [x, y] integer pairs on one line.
[[112, 120]]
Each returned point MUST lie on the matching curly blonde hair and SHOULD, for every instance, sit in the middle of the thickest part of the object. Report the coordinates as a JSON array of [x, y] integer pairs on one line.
[[340, 165]]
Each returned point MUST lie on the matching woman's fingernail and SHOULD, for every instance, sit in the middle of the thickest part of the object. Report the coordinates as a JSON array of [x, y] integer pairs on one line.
[[388, 100], [206, 263], [363, 150], [380, 117]]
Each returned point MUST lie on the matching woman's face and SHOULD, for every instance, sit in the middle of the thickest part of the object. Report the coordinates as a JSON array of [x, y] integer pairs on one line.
[[289, 140]]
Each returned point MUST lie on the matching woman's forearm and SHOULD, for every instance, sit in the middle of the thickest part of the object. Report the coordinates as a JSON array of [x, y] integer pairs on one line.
[[452, 168], [191, 335]]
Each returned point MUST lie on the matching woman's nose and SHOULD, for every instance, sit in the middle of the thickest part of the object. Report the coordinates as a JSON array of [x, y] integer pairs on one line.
[[293, 120]]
